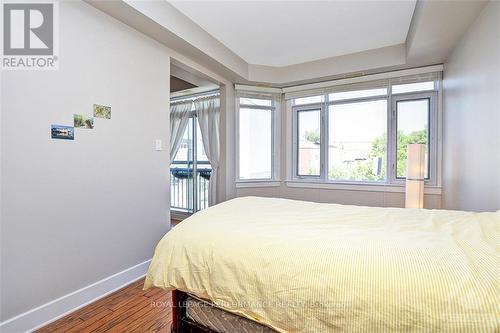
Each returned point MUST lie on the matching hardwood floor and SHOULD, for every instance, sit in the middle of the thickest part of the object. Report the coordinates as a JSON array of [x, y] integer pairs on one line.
[[174, 222], [130, 309]]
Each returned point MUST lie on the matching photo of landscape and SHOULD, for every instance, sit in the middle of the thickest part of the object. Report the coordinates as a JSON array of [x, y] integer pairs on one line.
[[62, 132]]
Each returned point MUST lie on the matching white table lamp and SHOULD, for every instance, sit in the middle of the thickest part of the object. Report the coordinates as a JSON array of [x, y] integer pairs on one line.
[[415, 175]]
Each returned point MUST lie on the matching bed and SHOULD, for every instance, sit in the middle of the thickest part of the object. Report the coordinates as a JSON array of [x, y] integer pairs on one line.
[[296, 266]]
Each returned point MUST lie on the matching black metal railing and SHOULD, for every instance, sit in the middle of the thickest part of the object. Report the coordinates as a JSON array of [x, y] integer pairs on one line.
[[185, 195]]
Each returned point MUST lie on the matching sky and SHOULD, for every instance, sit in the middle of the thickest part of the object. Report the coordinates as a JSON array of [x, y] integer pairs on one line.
[[364, 121]]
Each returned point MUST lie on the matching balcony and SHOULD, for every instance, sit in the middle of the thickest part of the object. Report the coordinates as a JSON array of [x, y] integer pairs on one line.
[[189, 185]]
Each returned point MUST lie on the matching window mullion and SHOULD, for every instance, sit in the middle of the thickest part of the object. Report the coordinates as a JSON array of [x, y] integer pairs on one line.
[[324, 143], [391, 140], [295, 143], [274, 140]]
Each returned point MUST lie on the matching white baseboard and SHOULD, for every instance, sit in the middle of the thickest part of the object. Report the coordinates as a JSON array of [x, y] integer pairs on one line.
[[53, 310]]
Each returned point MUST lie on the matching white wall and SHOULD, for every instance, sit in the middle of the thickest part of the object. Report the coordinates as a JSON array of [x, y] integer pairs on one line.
[[76, 212], [472, 117], [346, 197], [226, 189]]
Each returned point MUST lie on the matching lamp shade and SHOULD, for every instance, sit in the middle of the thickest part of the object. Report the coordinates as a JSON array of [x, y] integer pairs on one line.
[[415, 174]]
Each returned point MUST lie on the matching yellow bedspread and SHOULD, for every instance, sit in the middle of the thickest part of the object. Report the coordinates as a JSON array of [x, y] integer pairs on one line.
[[309, 267]]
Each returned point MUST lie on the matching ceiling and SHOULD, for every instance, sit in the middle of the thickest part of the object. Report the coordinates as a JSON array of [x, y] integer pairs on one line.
[[305, 40], [283, 33], [185, 80], [177, 84]]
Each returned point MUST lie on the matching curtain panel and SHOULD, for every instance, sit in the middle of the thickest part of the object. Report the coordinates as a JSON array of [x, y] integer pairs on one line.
[[208, 113], [179, 118]]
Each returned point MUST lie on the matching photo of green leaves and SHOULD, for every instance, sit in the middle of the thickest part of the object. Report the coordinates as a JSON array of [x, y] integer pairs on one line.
[[83, 121]]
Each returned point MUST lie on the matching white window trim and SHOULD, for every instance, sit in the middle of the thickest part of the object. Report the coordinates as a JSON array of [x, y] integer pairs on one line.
[[313, 88], [432, 186], [258, 183], [276, 139], [358, 186]]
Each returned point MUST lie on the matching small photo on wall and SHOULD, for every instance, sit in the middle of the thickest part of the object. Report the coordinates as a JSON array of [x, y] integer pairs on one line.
[[102, 111], [83, 121], [62, 132]]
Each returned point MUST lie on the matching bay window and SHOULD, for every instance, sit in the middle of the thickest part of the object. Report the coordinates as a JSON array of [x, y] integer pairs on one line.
[[359, 134]]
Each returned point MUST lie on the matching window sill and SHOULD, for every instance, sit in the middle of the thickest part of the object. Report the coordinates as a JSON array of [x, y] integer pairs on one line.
[[370, 187], [257, 183]]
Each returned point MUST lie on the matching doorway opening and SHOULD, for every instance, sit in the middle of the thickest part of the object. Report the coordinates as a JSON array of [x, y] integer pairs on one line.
[[190, 168]]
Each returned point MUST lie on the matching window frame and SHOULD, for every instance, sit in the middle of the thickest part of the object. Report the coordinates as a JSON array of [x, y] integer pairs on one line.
[[432, 180], [295, 126], [274, 137], [391, 151]]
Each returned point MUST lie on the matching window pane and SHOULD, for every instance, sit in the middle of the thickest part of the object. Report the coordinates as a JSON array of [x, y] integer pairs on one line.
[[357, 141], [255, 143], [309, 139], [412, 87], [308, 100], [357, 94], [412, 127], [255, 101], [185, 151], [201, 156]]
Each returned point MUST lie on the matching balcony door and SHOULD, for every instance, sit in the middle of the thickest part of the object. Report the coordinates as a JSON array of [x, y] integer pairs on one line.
[[190, 172]]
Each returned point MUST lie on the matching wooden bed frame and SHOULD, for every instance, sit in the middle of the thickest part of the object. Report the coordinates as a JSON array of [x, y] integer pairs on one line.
[[180, 322]]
